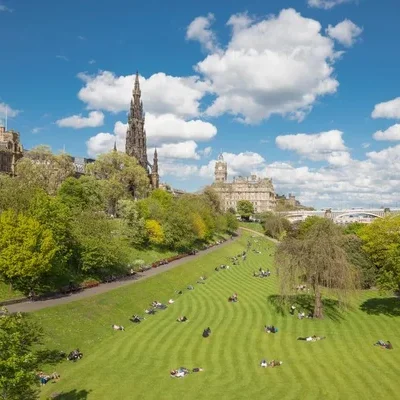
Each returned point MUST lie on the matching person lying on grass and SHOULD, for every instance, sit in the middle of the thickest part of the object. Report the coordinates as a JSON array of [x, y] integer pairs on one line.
[[384, 345], [137, 319], [158, 305], [270, 329], [182, 371], [311, 338], [274, 363], [44, 378], [171, 301], [263, 363], [150, 311], [190, 287], [182, 319], [118, 327]]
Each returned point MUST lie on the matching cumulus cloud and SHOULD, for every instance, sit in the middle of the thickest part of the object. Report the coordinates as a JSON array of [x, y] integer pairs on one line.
[[6, 109], [279, 65], [327, 4], [161, 93], [387, 109], [160, 130], [93, 120], [391, 134], [365, 182], [328, 146], [200, 29], [181, 150], [4, 8], [345, 32]]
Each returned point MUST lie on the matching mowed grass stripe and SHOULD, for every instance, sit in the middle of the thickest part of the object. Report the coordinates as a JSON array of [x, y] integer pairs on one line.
[[136, 363]]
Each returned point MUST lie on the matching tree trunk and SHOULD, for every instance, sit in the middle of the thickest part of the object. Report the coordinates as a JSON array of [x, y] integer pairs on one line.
[[318, 311]]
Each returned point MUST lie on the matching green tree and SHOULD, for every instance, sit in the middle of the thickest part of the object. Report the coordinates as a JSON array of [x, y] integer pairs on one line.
[[40, 168], [134, 225], [276, 226], [14, 194], [121, 177], [18, 361], [82, 193], [232, 224], [27, 250], [381, 241], [213, 198], [305, 226], [320, 260], [360, 259], [245, 208]]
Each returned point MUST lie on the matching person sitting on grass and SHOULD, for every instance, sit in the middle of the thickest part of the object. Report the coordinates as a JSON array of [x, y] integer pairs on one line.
[[136, 319], [206, 332], [301, 315], [233, 298], [190, 287], [216, 269], [270, 329], [263, 363], [292, 309], [170, 301], [182, 319], [179, 292]]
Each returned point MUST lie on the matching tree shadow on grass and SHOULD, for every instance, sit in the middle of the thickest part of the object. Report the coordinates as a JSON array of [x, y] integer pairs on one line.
[[333, 309], [386, 305], [50, 357], [71, 395]]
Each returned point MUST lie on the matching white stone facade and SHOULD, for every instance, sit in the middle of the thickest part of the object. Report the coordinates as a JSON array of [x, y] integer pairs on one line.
[[258, 191]]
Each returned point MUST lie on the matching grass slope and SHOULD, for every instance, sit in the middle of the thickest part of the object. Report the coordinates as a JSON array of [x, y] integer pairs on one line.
[[135, 364], [255, 226]]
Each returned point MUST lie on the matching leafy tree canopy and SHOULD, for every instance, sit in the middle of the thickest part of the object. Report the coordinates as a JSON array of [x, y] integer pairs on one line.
[[245, 208]]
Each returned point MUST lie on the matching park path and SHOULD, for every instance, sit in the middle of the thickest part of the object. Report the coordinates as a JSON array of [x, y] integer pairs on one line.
[[30, 306], [260, 234]]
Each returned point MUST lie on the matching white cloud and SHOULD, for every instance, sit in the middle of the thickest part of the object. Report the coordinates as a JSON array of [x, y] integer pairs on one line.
[[4, 8], [238, 164], [95, 119], [161, 93], [392, 133], [6, 109], [365, 145], [181, 150], [178, 170], [81, 37], [60, 57], [328, 146], [160, 130], [279, 65], [326, 4], [206, 152], [36, 130], [92, 62], [199, 29], [387, 109], [345, 32]]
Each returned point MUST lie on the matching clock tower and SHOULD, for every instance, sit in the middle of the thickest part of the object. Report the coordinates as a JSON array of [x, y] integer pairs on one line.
[[221, 170]]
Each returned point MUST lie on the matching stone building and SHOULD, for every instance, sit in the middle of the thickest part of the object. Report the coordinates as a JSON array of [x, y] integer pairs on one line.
[[136, 142], [11, 150], [258, 191]]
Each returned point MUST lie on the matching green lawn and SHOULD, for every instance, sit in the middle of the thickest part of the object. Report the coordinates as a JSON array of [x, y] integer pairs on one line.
[[255, 226], [135, 364], [7, 294]]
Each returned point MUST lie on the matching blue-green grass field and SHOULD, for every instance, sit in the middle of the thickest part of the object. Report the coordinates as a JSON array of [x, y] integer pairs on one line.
[[135, 364]]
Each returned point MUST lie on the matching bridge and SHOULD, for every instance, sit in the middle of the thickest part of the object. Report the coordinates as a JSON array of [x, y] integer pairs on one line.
[[344, 216]]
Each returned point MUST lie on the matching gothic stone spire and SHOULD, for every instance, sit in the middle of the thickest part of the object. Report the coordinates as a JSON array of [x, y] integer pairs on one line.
[[136, 134]]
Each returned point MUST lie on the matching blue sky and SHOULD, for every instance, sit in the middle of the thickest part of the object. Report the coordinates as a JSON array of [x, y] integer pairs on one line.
[[285, 89]]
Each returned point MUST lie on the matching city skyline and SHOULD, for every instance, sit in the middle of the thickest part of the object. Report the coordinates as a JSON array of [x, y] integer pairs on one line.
[[304, 92]]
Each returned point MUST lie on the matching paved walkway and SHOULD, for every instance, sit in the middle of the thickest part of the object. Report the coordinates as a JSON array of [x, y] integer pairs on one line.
[[106, 287]]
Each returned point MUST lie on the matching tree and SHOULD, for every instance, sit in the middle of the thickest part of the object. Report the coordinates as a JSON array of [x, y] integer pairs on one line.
[[154, 231], [40, 168], [381, 241], [245, 208], [307, 224], [213, 199], [232, 223], [18, 361], [121, 177], [14, 194], [320, 260], [276, 226], [82, 193], [27, 250], [134, 224]]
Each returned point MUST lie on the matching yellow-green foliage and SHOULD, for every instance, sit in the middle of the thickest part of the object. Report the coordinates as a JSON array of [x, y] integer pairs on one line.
[[155, 231]]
